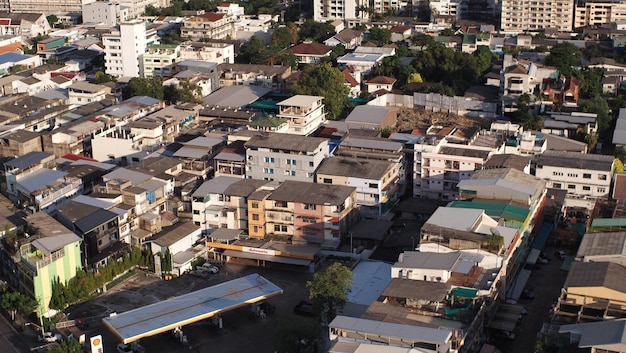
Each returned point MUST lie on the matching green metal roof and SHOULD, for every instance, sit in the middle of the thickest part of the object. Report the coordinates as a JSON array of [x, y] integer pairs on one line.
[[508, 212], [268, 122], [464, 292], [608, 222]]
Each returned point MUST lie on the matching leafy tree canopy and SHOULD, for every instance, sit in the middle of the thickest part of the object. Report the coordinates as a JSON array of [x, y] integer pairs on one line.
[[283, 37], [590, 81], [295, 334], [151, 87], [598, 105], [316, 31], [380, 36], [329, 289], [328, 82], [52, 19], [71, 346], [564, 56]]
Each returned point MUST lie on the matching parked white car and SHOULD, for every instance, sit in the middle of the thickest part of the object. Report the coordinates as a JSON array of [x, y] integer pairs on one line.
[[50, 337], [208, 267]]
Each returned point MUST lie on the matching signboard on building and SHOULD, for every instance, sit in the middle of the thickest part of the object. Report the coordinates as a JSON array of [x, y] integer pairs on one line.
[[258, 251]]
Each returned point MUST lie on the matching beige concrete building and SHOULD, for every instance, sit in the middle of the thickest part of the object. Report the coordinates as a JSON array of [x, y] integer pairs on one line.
[[529, 15], [592, 13]]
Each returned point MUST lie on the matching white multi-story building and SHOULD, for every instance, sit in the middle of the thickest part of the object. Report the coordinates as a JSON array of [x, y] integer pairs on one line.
[[107, 13], [304, 114], [280, 157], [221, 53], [159, 60], [209, 25], [81, 93], [438, 170], [136, 8], [123, 48], [445, 8], [330, 10], [586, 177], [520, 15]]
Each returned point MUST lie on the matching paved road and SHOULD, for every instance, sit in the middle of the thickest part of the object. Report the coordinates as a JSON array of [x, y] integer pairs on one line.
[[546, 281], [10, 340]]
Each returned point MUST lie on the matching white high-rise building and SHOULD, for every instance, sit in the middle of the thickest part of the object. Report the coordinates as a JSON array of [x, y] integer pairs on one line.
[[123, 49], [525, 15], [330, 10]]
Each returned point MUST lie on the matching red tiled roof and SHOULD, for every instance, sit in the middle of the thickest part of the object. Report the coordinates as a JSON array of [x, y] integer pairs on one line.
[[225, 4], [212, 16], [619, 190], [400, 29], [384, 80], [349, 78], [310, 48]]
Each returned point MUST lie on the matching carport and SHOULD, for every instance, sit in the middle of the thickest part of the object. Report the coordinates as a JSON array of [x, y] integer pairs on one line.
[[202, 304], [265, 257], [520, 284], [533, 256]]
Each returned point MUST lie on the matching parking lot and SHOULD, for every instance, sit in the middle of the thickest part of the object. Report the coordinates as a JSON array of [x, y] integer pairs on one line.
[[546, 282], [241, 330]]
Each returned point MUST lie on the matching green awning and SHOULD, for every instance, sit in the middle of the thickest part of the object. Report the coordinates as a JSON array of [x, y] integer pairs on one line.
[[464, 292], [608, 222]]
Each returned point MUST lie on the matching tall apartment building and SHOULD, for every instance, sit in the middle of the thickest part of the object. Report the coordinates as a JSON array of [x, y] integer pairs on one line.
[[209, 25], [123, 49], [328, 10], [530, 15], [280, 157], [592, 13]]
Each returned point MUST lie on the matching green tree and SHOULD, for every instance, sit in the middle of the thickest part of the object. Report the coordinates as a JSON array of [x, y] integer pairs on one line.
[[295, 334], [447, 32], [524, 114], [599, 106], [422, 41], [253, 52], [590, 81], [620, 153], [52, 20], [328, 82], [618, 166], [380, 36], [282, 37], [15, 303], [71, 346], [484, 58], [329, 289], [185, 92], [316, 31], [151, 87], [102, 77], [593, 50], [151, 11], [564, 56], [17, 68]]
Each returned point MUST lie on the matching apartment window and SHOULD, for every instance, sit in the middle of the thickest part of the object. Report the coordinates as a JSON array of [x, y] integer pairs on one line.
[[601, 176], [291, 162], [572, 175], [586, 188], [328, 181], [308, 219], [571, 186], [255, 216], [280, 203], [279, 228], [586, 176], [196, 211], [268, 170], [269, 159], [557, 173], [255, 204], [256, 229], [311, 164], [601, 190], [373, 185], [556, 185], [310, 206]]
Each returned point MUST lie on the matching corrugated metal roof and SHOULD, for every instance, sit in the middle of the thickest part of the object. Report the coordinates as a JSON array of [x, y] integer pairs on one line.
[[508, 212], [40, 178], [168, 314], [28, 160], [388, 329]]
